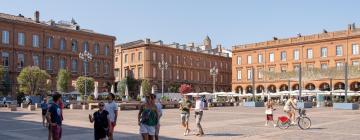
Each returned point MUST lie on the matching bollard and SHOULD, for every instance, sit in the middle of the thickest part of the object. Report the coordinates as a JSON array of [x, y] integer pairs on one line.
[[36, 105], [12, 107], [31, 108]]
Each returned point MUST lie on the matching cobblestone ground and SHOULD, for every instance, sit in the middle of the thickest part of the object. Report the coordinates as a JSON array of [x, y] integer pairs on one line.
[[218, 123]]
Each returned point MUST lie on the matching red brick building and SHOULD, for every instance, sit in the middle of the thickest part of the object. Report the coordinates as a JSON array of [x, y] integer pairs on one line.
[[52, 46]]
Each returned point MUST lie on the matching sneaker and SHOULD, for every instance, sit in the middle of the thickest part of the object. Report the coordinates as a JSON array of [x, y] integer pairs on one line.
[[185, 133], [266, 124], [275, 125]]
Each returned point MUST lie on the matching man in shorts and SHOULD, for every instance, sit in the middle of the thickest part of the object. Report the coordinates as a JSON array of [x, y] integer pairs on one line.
[[112, 108], [54, 117], [185, 106]]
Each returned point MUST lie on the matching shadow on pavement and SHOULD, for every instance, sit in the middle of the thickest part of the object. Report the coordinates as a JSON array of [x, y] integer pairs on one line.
[[223, 134], [14, 129]]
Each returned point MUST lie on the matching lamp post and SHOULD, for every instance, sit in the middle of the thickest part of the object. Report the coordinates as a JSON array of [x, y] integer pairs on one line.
[[86, 57], [162, 66], [213, 72]]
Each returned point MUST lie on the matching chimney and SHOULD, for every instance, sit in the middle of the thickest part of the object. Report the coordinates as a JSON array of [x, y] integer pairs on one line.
[[219, 48], [37, 16], [147, 40]]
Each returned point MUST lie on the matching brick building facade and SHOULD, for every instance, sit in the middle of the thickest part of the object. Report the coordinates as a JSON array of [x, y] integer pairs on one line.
[[186, 64], [53, 46], [322, 51]]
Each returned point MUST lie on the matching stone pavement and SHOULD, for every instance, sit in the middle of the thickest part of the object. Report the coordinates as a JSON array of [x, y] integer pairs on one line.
[[218, 123]]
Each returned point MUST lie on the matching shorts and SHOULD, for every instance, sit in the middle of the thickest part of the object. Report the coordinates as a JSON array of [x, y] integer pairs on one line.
[[56, 132], [112, 126], [185, 117], [269, 117], [100, 133], [43, 112], [146, 129]]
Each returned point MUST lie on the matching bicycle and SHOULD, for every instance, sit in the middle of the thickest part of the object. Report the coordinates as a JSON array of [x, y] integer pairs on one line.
[[302, 120]]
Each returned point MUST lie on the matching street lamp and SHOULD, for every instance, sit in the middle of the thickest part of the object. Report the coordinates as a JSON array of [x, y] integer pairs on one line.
[[86, 57], [162, 66], [213, 72]]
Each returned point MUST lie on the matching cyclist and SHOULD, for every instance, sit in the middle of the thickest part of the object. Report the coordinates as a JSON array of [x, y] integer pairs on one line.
[[290, 108]]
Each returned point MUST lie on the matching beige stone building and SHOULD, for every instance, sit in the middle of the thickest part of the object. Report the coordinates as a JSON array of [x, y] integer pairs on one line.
[[52, 46], [323, 50], [186, 64]]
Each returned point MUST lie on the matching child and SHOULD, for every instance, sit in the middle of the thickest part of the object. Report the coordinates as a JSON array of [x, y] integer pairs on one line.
[[269, 113], [44, 108]]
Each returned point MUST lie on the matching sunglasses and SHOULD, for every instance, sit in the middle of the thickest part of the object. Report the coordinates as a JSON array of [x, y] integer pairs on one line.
[[101, 105]]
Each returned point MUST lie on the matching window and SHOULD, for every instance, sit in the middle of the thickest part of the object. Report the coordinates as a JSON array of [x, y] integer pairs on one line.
[[170, 74], [154, 56], [249, 61], [131, 74], [355, 63], [125, 58], [323, 52], [96, 48], [96, 68], [260, 73], [154, 72], [116, 73], [184, 74], [35, 41], [272, 69], [260, 58], [324, 66], [74, 46], [62, 63], [74, 65], [177, 74], [132, 57], [239, 60], [177, 59], [140, 72], [198, 76], [191, 75], [184, 60], [170, 58], [5, 37], [5, 59], [338, 50], [106, 66], [296, 54], [309, 53], [296, 68], [49, 42], [355, 49], [140, 56], [310, 66], [85, 46], [116, 59], [283, 69], [271, 57], [36, 60], [62, 44], [339, 65], [21, 39], [21, 60], [249, 74], [48, 63], [283, 56], [106, 50]]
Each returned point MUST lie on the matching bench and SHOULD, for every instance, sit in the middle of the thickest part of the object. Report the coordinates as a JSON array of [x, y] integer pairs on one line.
[[75, 106], [170, 104], [124, 106], [93, 105]]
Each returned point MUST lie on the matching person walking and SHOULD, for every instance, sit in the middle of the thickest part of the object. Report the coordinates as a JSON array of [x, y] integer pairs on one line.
[[185, 106], [101, 121], [44, 108], [54, 117], [269, 112], [148, 118], [199, 109], [112, 108], [159, 111]]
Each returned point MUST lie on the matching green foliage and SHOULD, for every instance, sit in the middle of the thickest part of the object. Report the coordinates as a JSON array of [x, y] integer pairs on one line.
[[80, 85], [90, 98], [146, 87], [121, 87], [174, 87], [63, 80], [32, 79]]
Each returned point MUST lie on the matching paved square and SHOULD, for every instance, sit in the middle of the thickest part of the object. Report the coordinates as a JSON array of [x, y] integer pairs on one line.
[[218, 123]]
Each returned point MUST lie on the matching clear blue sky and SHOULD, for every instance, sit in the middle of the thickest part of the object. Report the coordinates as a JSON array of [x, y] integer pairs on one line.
[[228, 22]]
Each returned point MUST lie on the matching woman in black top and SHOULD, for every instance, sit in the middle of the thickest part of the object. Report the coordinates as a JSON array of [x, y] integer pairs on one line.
[[101, 122]]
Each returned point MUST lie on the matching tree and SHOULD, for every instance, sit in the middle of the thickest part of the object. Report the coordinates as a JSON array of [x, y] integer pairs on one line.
[[121, 87], [80, 85], [63, 80], [185, 88], [32, 79], [146, 88], [174, 87]]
